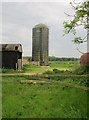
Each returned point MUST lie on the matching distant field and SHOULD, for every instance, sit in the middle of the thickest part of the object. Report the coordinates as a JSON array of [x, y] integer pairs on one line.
[[49, 100], [63, 64], [40, 69]]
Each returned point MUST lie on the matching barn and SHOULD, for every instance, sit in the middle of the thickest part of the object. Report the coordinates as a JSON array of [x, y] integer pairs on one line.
[[11, 55]]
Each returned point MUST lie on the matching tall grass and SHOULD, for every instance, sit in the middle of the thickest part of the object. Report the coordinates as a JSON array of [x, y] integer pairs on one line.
[[82, 69], [49, 100]]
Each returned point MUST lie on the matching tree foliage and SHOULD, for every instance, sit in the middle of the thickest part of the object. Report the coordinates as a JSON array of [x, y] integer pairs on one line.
[[53, 58], [80, 18]]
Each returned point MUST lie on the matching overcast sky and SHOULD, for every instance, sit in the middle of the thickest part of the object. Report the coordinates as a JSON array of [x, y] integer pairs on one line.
[[18, 19]]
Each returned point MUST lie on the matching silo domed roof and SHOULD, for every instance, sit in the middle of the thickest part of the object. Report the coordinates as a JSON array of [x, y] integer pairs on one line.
[[40, 26]]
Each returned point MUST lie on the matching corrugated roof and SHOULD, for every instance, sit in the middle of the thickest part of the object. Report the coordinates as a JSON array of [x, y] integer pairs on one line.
[[11, 47]]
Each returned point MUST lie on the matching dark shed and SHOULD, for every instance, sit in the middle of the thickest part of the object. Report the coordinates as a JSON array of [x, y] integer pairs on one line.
[[11, 56]]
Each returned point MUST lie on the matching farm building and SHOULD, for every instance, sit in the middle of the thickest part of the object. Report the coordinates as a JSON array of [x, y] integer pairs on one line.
[[11, 56], [84, 59], [40, 45]]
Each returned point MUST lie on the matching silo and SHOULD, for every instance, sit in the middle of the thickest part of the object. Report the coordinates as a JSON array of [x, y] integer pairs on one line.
[[40, 44]]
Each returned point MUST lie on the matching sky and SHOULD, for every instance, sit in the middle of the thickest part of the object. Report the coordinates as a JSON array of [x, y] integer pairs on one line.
[[18, 19]]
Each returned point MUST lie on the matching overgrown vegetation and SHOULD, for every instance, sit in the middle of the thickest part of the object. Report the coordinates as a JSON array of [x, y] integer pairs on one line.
[[52, 99], [49, 100], [82, 69], [74, 69]]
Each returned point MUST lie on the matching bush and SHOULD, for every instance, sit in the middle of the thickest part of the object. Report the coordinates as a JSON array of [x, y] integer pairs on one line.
[[83, 69]]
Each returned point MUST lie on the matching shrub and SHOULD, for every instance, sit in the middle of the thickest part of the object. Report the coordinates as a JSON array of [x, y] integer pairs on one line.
[[83, 69]]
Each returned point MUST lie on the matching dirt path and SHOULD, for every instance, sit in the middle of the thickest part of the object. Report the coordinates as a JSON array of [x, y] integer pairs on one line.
[[30, 74], [52, 81], [45, 80]]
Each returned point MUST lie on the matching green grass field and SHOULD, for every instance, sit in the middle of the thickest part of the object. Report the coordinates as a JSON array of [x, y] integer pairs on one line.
[[45, 100], [49, 100]]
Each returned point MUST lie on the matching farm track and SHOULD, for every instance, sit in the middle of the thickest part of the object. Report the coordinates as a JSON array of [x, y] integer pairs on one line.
[[27, 74], [44, 79], [52, 81]]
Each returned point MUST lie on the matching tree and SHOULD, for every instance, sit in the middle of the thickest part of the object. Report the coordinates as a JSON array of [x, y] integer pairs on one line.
[[80, 18]]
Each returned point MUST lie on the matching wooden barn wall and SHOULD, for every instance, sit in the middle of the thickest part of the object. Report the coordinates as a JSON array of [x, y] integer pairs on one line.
[[9, 59]]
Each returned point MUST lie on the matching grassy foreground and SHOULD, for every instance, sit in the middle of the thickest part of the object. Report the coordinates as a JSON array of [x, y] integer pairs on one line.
[[49, 100], [44, 100]]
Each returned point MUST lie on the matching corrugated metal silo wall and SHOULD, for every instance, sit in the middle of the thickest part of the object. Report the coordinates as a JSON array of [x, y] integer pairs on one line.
[[36, 44], [44, 46], [40, 45]]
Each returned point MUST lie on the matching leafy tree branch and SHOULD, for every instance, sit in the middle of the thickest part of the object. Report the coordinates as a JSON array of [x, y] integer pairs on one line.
[[80, 18]]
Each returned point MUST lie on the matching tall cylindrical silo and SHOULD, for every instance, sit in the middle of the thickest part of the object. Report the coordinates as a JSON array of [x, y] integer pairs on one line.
[[40, 44]]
